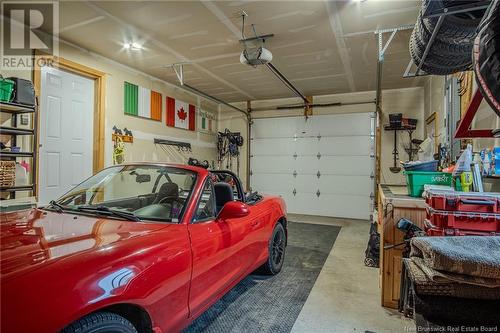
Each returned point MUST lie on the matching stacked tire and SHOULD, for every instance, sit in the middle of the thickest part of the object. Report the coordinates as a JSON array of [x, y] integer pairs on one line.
[[451, 49], [486, 56]]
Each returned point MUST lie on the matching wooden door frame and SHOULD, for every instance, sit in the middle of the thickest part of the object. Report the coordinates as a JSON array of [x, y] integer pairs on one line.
[[99, 79]]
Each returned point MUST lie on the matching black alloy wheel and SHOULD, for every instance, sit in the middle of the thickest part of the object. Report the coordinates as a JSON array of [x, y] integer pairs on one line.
[[277, 249]]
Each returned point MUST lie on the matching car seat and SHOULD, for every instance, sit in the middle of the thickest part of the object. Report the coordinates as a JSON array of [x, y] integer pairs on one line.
[[168, 193], [223, 193]]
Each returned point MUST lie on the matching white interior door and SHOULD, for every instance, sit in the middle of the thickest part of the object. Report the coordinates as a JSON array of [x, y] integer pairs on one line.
[[66, 132], [322, 166]]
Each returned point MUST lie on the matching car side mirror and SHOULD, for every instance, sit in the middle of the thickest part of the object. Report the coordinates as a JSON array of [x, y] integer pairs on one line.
[[233, 210]]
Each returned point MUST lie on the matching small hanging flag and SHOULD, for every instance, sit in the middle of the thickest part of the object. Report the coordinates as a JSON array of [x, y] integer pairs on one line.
[[207, 121]]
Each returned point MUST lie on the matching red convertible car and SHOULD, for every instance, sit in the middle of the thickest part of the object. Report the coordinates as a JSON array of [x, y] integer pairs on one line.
[[135, 248]]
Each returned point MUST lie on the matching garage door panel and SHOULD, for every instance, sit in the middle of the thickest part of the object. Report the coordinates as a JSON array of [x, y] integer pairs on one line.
[[303, 203], [306, 165], [343, 124], [266, 128], [272, 147], [352, 145], [346, 165], [305, 183], [272, 164], [347, 206], [357, 185], [272, 183], [305, 146]]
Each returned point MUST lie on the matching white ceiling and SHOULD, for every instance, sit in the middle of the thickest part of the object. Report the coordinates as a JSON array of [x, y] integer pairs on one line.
[[322, 47]]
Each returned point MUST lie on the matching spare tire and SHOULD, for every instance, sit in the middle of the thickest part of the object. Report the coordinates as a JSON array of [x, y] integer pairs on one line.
[[431, 68], [486, 57], [456, 28], [442, 58], [440, 53], [462, 51]]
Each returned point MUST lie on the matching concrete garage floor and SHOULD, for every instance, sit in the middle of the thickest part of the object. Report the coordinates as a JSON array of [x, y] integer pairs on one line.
[[346, 295]]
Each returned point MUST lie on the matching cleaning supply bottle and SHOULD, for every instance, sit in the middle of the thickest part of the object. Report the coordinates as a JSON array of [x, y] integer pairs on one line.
[[496, 154], [466, 181], [486, 164], [463, 169]]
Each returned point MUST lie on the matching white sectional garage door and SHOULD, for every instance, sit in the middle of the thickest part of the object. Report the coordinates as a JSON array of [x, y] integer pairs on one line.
[[322, 166]]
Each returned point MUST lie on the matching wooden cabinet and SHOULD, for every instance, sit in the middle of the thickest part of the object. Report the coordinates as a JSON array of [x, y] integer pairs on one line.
[[391, 208]]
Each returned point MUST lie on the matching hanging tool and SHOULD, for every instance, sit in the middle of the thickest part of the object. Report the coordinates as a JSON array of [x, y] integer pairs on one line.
[[395, 168]]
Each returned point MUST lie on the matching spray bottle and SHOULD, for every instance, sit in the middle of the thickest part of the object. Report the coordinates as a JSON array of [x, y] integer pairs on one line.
[[463, 169]]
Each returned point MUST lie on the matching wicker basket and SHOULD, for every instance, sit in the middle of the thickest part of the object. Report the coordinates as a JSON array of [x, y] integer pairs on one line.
[[7, 173]]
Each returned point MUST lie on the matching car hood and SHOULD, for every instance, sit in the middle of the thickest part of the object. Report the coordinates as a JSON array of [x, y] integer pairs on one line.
[[35, 238]]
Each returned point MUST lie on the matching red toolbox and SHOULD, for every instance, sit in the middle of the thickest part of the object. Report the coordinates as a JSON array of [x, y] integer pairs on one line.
[[434, 231], [472, 221], [463, 201]]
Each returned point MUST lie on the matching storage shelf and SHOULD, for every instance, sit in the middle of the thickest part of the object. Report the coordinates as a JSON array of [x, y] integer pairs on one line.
[[17, 188], [15, 154], [16, 131], [15, 108], [29, 151], [401, 128]]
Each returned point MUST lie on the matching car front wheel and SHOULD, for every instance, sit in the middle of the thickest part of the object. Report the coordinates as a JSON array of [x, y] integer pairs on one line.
[[101, 322]]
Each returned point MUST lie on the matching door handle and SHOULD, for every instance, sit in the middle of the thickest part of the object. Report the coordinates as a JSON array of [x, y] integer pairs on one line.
[[255, 223]]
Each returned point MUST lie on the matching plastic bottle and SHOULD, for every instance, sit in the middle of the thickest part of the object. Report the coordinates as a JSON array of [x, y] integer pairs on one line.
[[496, 154], [486, 164], [21, 175]]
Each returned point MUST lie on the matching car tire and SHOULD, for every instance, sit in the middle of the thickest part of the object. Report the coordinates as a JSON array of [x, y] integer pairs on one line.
[[459, 53], [101, 322], [277, 247], [434, 67], [437, 56], [486, 57], [456, 28], [443, 58]]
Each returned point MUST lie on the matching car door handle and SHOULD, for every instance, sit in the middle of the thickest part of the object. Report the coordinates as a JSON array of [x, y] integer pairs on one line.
[[255, 223]]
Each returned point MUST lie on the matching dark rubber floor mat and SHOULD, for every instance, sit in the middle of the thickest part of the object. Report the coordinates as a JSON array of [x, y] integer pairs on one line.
[[272, 304]]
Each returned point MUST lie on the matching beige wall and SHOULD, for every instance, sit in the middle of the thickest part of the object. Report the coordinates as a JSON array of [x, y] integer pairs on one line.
[[407, 101], [485, 118], [434, 102], [144, 130]]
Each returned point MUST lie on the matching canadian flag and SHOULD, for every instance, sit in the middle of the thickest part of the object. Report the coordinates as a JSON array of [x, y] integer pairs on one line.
[[181, 114]]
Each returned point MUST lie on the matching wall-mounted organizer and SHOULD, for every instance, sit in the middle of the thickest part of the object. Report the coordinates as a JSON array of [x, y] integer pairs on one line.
[[181, 146], [9, 157], [125, 135]]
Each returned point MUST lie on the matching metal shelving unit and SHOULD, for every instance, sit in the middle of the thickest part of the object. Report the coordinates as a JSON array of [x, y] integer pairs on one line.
[[16, 110], [409, 129], [436, 9]]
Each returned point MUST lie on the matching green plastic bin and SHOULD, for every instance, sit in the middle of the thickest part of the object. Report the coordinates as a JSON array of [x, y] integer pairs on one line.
[[6, 88], [415, 181]]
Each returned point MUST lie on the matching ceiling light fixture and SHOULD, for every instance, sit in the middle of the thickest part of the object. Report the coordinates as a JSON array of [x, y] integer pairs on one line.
[[132, 46]]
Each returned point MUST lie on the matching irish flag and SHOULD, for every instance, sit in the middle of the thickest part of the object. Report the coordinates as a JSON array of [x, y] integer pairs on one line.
[[206, 121], [142, 102], [181, 114]]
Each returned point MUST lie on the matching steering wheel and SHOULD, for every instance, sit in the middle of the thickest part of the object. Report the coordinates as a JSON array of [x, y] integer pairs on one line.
[[167, 197]]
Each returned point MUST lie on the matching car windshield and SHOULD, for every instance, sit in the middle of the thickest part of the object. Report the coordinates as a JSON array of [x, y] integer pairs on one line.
[[135, 192]]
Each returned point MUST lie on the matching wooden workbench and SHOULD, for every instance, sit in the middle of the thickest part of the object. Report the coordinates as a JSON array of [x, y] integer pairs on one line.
[[394, 204]]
